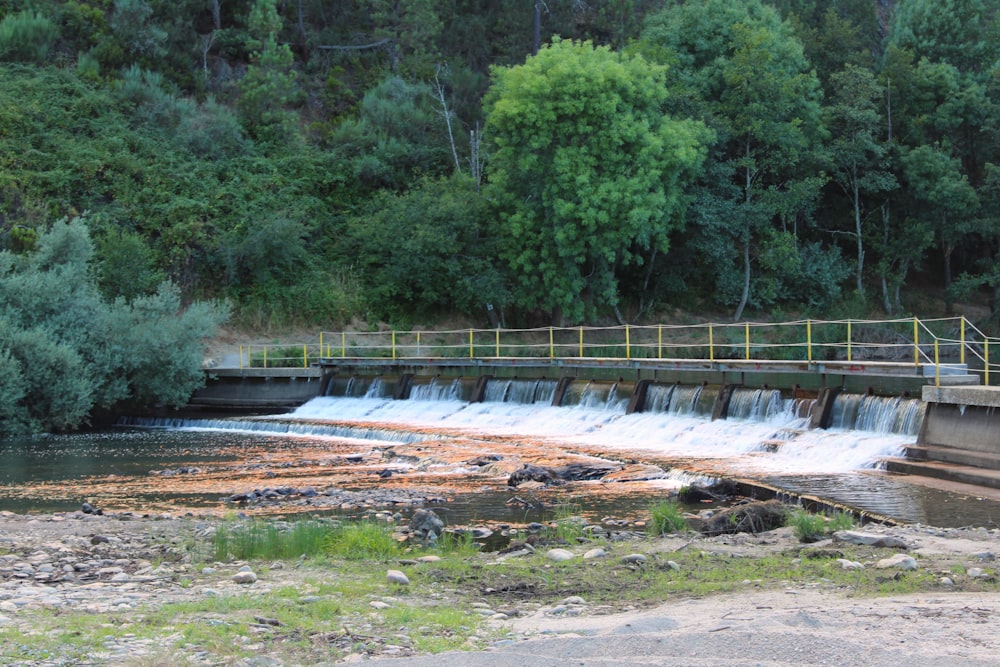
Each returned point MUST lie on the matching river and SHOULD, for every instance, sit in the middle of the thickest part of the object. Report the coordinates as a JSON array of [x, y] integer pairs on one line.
[[427, 443]]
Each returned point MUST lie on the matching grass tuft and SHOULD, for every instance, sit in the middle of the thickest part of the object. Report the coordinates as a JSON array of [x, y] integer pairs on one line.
[[666, 517]]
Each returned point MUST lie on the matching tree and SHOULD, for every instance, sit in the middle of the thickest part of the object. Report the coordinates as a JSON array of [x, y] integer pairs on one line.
[[858, 156], [741, 69], [268, 88], [587, 172], [426, 251]]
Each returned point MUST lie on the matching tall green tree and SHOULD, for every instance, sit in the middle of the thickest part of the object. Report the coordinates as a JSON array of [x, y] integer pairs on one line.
[[742, 70], [859, 154], [587, 172]]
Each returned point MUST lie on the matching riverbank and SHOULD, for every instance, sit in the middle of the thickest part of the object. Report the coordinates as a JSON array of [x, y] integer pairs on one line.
[[122, 589]]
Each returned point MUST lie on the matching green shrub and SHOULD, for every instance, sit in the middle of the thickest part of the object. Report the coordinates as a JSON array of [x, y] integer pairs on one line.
[[666, 517], [26, 37]]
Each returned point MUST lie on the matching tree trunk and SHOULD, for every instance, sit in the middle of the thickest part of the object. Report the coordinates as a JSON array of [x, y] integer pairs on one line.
[[217, 14], [857, 233], [746, 280], [886, 303], [536, 29], [947, 249]]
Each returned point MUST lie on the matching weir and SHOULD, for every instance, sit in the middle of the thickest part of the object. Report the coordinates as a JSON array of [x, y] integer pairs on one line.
[[950, 432]]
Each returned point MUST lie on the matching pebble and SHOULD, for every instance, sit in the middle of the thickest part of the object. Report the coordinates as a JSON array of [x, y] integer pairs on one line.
[[595, 553], [559, 555]]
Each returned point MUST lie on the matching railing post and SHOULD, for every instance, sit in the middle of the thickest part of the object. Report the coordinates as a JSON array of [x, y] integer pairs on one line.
[[241, 357], [809, 341], [265, 356], [498, 343], [747, 337], [711, 345], [937, 365], [472, 347], [916, 342], [418, 343], [321, 345], [305, 356], [393, 343], [628, 344], [581, 342], [986, 361], [343, 344], [961, 338], [848, 340], [552, 344], [659, 342]]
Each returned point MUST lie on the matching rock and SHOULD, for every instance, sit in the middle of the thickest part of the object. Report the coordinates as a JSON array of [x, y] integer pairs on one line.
[[901, 561], [673, 565], [849, 564], [559, 555], [244, 576], [946, 581], [574, 599], [426, 525], [397, 577], [595, 553], [634, 559], [870, 539], [378, 604]]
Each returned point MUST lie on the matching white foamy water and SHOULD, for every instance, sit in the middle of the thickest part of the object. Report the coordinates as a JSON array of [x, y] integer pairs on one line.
[[768, 437]]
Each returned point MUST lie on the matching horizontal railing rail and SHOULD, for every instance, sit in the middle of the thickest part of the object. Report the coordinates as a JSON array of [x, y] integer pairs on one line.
[[947, 344]]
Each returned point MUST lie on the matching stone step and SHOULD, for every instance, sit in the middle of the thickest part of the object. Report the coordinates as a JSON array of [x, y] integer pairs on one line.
[[948, 471], [965, 457]]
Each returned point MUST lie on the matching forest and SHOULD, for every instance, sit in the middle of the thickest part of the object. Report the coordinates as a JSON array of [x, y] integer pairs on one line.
[[322, 162]]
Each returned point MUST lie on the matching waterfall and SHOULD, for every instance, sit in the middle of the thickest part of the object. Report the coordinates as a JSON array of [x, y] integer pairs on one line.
[[757, 404], [437, 391], [877, 414]]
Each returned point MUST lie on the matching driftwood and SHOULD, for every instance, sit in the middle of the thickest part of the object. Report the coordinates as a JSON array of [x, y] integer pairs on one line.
[[557, 475], [697, 493], [753, 517]]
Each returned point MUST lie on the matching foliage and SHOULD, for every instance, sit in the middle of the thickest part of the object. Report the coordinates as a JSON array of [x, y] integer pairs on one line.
[[239, 148], [76, 352], [26, 36], [362, 540], [810, 527], [426, 251], [587, 172], [666, 517], [260, 539]]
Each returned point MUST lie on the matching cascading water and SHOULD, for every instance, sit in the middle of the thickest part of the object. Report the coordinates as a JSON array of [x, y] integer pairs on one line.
[[878, 414], [437, 391]]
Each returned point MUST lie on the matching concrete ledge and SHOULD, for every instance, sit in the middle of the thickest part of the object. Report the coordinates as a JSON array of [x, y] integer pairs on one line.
[[986, 397]]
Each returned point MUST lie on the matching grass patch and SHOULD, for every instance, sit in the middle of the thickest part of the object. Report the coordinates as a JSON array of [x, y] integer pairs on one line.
[[260, 539], [666, 517], [362, 540], [810, 527]]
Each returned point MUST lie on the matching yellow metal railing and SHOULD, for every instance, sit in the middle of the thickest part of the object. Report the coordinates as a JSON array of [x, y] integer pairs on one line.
[[945, 343]]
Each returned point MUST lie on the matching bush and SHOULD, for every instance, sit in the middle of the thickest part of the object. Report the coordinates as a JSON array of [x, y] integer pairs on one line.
[[26, 37], [666, 517]]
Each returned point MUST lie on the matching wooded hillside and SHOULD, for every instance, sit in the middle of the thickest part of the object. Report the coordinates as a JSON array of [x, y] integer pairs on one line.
[[313, 161]]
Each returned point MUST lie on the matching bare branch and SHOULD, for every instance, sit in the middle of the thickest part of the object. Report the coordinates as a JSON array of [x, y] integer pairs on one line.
[[360, 47]]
